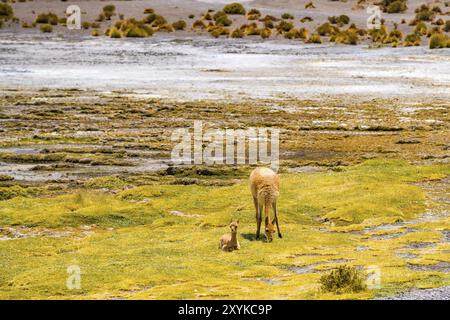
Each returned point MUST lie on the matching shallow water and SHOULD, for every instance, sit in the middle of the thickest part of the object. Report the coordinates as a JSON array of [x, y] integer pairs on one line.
[[191, 68]]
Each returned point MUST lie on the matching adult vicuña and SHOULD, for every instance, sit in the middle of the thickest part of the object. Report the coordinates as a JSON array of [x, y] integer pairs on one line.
[[265, 184], [229, 242]]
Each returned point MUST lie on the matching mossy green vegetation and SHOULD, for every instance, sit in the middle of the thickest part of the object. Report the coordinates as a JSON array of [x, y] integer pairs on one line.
[[6, 12], [344, 279], [234, 8], [439, 41], [124, 241], [46, 28], [47, 18]]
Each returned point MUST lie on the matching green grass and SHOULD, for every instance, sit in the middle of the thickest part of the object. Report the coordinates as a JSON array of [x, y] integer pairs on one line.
[[137, 249]]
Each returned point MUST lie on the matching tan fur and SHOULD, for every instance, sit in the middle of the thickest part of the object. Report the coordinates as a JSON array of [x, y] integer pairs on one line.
[[229, 242], [265, 185]]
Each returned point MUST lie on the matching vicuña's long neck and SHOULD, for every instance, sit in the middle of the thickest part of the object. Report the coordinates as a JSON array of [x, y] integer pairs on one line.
[[234, 237]]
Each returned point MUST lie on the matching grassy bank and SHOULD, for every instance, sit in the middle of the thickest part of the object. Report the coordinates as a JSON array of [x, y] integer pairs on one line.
[[160, 241]]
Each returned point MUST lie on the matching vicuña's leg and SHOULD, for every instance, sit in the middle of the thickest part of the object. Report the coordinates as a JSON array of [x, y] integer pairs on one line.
[[258, 219], [275, 218]]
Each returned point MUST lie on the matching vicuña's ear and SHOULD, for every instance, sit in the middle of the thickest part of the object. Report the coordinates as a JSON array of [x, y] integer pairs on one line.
[[237, 221]]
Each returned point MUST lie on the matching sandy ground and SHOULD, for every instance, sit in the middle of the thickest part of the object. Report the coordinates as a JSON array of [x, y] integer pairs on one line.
[[180, 9]]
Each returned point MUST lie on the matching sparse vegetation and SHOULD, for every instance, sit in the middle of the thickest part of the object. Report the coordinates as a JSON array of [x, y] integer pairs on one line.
[[179, 25], [47, 18], [412, 40], [6, 12], [237, 33], [46, 28], [421, 28], [326, 29], [221, 19], [109, 11], [340, 20], [287, 16], [253, 14], [343, 279], [284, 26], [310, 5], [315, 38], [439, 41], [394, 6], [234, 8]]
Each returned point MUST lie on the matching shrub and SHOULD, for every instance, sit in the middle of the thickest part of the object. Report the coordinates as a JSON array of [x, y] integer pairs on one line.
[[269, 24], [165, 28], [105, 183], [198, 24], [265, 33], [179, 25], [218, 31], [412, 40], [439, 40], [221, 19], [395, 36], [447, 26], [191, 16], [346, 37], [340, 20], [315, 38], [439, 22], [95, 25], [301, 33], [421, 28], [284, 26], [309, 5], [100, 18], [131, 28], [158, 21], [433, 31], [287, 16], [85, 25], [306, 19], [4, 177], [14, 191], [47, 18], [95, 33], [423, 13], [253, 14], [379, 35], [238, 33], [270, 18], [343, 279], [149, 10], [252, 30], [115, 33], [46, 28], [6, 12], [234, 8], [396, 6], [326, 29], [109, 11]]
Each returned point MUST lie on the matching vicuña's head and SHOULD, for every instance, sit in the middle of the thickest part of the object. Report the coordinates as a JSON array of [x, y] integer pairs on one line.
[[269, 231], [234, 225]]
